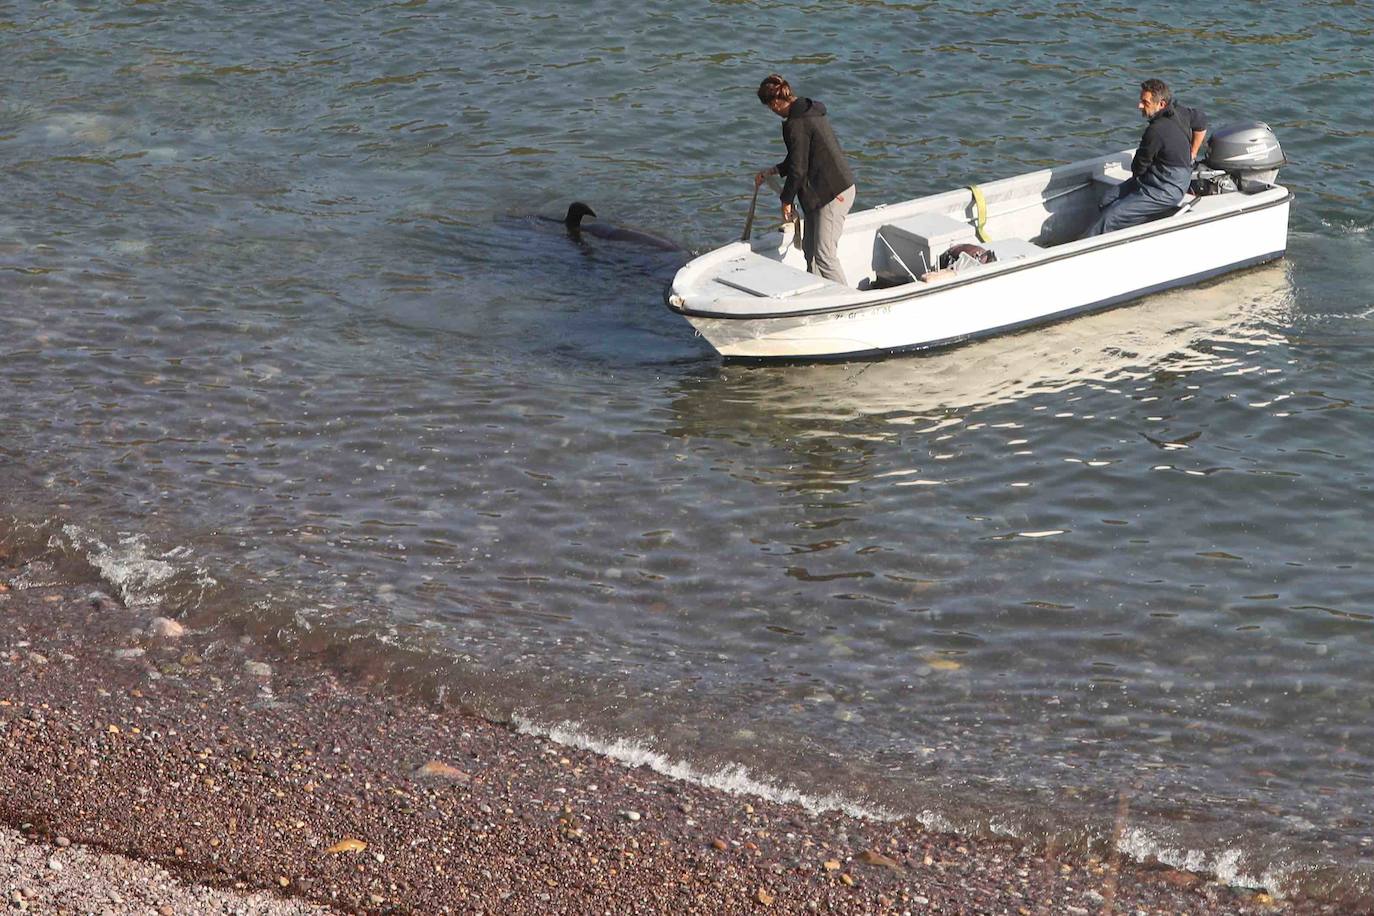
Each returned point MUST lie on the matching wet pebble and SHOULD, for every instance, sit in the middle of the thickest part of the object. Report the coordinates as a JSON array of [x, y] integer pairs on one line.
[[129, 653], [873, 857], [258, 669], [630, 815], [437, 769], [348, 844], [166, 628]]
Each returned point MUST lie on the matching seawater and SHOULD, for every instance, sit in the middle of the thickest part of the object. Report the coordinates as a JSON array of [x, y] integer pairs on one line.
[[285, 342]]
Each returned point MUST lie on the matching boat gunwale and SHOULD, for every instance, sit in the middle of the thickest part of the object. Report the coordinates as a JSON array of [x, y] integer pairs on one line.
[[1008, 268]]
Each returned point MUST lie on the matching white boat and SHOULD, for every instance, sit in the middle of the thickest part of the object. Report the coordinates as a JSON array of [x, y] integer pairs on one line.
[[756, 300]]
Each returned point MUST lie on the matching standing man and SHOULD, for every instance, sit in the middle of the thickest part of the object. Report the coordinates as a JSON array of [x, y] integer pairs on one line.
[[816, 173], [1161, 169]]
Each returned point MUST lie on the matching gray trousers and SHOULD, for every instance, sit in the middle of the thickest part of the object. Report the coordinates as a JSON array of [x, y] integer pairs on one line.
[[821, 236], [1139, 202]]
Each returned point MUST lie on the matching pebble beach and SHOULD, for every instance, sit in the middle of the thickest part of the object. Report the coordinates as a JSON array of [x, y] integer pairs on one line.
[[146, 767]]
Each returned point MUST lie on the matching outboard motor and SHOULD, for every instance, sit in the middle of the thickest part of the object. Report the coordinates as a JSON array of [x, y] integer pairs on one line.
[[1249, 154]]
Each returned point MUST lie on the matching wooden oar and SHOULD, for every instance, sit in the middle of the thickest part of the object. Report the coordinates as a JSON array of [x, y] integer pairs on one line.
[[749, 221]]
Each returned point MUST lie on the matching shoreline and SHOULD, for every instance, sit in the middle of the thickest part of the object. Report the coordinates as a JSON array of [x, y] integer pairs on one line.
[[61, 877], [240, 772]]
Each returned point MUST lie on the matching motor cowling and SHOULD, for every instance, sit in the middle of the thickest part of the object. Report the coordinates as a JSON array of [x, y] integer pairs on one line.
[[1249, 153]]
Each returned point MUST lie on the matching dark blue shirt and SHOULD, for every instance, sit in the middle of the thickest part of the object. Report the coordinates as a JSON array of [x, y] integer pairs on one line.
[[1195, 118]]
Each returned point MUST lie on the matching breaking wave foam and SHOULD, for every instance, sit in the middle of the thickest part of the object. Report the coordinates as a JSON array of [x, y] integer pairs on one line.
[[1227, 866], [734, 778], [139, 575]]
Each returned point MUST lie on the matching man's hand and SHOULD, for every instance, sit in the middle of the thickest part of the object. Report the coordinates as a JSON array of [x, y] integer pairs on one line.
[[762, 176], [789, 213]]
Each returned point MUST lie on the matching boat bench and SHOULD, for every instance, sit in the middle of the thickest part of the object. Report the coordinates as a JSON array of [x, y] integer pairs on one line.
[[760, 276], [1107, 176]]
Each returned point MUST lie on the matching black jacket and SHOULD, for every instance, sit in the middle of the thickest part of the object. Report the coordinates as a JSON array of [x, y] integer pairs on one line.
[[815, 167], [1166, 145]]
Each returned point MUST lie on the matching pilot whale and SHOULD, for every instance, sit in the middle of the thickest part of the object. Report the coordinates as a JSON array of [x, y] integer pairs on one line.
[[577, 228]]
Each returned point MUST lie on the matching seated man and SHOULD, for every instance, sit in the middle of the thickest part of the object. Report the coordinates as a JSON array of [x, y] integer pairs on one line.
[[1160, 171], [1196, 120]]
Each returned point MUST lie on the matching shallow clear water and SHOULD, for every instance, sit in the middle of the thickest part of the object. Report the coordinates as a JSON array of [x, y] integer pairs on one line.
[[286, 341]]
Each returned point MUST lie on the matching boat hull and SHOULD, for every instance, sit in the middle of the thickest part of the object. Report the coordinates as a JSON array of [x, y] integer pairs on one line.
[[1072, 279]]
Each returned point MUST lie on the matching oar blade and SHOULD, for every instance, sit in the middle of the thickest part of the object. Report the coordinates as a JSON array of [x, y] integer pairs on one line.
[[749, 221]]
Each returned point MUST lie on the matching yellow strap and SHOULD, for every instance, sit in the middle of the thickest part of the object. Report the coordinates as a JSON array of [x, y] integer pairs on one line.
[[982, 205]]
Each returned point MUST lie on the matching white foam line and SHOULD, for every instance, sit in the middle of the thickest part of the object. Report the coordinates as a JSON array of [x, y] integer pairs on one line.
[[1135, 842], [937, 823], [733, 779]]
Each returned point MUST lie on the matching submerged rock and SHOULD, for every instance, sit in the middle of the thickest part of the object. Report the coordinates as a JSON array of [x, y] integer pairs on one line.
[[101, 601], [166, 628]]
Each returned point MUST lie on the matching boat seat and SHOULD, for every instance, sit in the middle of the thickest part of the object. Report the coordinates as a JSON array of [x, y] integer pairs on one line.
[[1107, 177], [762, 276], [1110, 174]]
